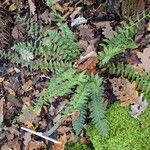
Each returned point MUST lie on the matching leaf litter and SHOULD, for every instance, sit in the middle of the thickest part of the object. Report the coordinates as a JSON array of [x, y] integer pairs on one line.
[[91, 21]]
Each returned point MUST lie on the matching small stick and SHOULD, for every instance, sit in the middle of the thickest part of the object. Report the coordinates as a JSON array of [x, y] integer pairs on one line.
[[41, 135]]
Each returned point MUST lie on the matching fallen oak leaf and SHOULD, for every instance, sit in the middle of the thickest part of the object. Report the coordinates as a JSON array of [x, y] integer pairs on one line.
[[124, 90]]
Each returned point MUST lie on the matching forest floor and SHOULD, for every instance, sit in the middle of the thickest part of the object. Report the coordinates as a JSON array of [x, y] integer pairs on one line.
[[91, 21]]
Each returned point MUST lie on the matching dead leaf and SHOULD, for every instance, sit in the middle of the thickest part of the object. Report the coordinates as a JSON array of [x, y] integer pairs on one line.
[[27, 139], [27, 85], [46, 17], [89, 65], [148, 26], [28, 121], [13, 100], [2, 100], [83, 44], [32, 7], [108, 31], [62, 139], [15, 32], [124, 90], [75, 12], [138, 107], [145, 59], [1, 79], [86, 33], [36, 145]]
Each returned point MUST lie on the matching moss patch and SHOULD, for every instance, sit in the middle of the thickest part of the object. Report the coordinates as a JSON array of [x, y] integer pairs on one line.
[[77, 146], [125, 133]]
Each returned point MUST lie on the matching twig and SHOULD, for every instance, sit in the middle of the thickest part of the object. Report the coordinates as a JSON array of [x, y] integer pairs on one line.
[[41, 135]]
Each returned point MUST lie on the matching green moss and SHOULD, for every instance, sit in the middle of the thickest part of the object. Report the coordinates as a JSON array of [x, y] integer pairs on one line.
[[125, 133], [76, 146]]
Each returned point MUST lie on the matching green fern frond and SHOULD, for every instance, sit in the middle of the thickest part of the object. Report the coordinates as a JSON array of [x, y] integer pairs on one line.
[[141, 78], [79, 122], [122, 40], [97, 106], [60, 85], [80, 97]]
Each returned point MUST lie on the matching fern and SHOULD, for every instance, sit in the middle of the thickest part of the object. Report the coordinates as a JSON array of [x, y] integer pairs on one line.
[[96, 105], [141, 78], [79, 122], [121, 41], [60, 85]]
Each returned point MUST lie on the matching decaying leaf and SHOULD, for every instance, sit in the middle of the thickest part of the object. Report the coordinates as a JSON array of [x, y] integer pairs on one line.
[[148, 26], [28, 118], [32, 7], [36, 145], [75, 12], [62, 139], [145, 59], [86, 33], [1, 79], [46, 16], [27, 85], [124, 90], [27, 139], [108, 31], [138, 107]]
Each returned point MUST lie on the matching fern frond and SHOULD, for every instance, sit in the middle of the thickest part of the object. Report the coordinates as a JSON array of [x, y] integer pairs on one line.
[[97, 106], [141, 78], [122, 40], [79, 122], [60, 85]]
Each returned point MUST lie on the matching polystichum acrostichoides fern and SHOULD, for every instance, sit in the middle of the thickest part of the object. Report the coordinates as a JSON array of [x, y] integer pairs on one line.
[[56, 50]]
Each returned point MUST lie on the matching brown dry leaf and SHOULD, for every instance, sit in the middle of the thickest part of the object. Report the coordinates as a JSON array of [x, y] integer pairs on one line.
[[2, 100], [145, 59], [86, 33], [108, 31], [89, 65], [1, 79], [27, 85], [148, 26], [62, 139], [83, 44], [75, 12], [124, 90], [36, 145], [59, 8], [46, 17], [32, 7], [15, 32], [27, 139], [28, 118]]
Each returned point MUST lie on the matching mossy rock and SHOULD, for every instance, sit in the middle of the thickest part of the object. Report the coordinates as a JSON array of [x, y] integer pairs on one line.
[[125, 133], [76, 146]]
